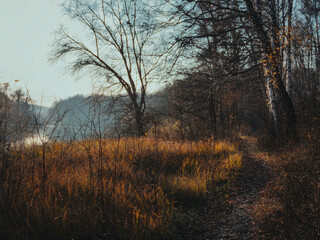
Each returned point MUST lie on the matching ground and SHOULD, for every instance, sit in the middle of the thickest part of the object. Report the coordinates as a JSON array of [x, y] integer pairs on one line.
[[232, 218]]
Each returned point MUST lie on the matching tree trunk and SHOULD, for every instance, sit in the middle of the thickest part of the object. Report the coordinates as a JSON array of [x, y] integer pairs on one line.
[[317, 52], [288, 68], [274, 80], [271, 98], [139, 121]]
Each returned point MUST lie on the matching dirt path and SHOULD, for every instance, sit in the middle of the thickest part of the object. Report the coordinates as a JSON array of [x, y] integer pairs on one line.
[[234, 221]]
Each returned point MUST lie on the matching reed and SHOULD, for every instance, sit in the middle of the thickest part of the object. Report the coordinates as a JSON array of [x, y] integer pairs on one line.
[[125, 189]]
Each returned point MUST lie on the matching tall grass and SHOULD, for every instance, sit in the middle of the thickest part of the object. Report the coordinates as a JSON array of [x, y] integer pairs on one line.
[[124, 189]]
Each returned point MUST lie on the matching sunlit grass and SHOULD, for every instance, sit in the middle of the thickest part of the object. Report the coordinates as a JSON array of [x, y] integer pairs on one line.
[[128, 188]]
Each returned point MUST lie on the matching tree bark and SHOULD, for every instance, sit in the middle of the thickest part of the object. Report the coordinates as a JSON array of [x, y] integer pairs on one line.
[[288, 69], [271, 100], [272, 61]]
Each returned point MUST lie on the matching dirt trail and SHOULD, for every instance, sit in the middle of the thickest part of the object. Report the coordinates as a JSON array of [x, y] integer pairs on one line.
[[234, 221]]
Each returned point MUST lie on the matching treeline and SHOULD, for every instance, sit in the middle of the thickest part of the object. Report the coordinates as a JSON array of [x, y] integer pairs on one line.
[[238, 65], [257, 67]]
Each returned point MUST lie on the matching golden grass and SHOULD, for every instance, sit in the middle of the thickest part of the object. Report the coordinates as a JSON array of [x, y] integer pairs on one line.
[[125, 189]]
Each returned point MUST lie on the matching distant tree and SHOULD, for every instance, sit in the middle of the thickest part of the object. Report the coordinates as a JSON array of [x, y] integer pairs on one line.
[[306, 59], [130, 42], [15, 116]]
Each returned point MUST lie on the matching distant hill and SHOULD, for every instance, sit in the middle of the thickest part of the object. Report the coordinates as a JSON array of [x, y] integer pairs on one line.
[[39, 110], [81, 117]]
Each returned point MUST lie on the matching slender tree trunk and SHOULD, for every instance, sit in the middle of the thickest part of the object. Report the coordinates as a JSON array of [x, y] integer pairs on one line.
[[317, 52], [288, 68], [271, 100], [213, 115]]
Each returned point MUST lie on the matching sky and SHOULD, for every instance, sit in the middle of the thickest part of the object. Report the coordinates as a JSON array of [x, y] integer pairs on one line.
[[27, 32]]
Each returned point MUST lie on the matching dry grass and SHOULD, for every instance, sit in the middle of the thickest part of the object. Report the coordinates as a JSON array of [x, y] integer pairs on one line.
[[126, 189]]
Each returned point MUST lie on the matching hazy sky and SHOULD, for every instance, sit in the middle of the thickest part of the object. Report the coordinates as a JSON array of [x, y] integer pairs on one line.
[[26, 28]]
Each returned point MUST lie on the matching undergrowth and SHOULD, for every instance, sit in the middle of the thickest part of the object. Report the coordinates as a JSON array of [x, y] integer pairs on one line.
[[107, 189], [290, 206]]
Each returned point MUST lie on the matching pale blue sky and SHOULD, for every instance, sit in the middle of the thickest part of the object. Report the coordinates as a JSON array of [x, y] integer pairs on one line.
[[26, 28]]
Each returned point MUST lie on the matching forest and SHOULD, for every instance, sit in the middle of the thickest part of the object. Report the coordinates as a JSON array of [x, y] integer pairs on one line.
[[204, 124]]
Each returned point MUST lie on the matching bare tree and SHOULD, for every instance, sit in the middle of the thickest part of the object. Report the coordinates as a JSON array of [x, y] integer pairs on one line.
[[269, 36], [128, 46], [255, 28]]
